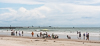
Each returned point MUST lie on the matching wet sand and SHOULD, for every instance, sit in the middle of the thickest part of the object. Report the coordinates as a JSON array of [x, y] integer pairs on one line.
[[34, 41], [96, 38]]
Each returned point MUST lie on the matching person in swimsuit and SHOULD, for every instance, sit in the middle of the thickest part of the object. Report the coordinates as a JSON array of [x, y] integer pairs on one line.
[[32, 33]]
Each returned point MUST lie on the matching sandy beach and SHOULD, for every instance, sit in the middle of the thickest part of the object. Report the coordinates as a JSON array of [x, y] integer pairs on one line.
[[33, 41]]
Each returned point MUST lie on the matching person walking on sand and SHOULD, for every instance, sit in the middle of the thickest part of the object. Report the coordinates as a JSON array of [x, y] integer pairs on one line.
[[32, 33]]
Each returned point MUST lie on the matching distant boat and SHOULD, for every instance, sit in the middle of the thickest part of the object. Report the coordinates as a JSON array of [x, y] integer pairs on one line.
[[44, 30]]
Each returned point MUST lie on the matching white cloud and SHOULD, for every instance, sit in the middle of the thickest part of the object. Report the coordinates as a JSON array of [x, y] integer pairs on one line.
[[54, 13], [21, 14], [72, 14], [22, 10]]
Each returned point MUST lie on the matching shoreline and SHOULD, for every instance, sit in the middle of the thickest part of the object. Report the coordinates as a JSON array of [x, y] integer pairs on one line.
[[76, 40], [34, 41], [92, 38]]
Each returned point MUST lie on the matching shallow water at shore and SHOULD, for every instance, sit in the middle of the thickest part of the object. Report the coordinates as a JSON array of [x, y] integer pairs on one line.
[[62, 32], [60, 35]]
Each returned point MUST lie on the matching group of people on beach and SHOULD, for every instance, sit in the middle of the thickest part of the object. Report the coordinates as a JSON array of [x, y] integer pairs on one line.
[[13, 32], [79, 36], [43, 35], [84, 35], [19, 33], [55, 36], [46, 35]]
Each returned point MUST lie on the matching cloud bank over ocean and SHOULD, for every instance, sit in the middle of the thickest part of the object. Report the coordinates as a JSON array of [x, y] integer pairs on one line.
[[50, 13]]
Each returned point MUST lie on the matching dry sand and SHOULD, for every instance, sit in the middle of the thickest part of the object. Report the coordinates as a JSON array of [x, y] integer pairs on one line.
[[30, 41]]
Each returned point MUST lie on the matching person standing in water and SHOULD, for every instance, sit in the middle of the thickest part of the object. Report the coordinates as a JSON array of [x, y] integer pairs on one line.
[[22, 33], [46, 34], [52, 35], [19, 33], [88, 36], [32, 33], [16, 33], [79, 35], [84, 36], [77, 32], [40, 34]]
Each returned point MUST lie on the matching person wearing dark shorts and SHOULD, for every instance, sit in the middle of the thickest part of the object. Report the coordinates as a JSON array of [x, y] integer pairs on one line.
[[84, 36], [16, 33], [88, 36], [79, 35], [22, 33]]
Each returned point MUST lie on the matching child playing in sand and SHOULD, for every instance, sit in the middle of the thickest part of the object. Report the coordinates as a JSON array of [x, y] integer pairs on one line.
[[68, 37], [37, 35]]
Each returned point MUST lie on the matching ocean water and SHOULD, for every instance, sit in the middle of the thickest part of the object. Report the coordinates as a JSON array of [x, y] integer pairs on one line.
[[62, 32]]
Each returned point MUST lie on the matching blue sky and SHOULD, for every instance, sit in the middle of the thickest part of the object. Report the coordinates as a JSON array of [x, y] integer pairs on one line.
[[62, 13]]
